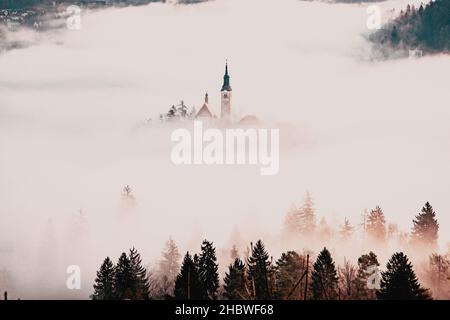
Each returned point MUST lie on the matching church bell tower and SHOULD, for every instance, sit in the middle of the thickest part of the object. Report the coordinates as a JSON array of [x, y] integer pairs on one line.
[[225, 93]]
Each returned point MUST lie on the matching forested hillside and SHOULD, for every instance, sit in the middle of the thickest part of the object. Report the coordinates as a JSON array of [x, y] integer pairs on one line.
[[426, 28]]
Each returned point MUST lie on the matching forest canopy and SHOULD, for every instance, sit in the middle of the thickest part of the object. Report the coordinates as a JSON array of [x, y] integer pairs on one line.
[[426, 28]]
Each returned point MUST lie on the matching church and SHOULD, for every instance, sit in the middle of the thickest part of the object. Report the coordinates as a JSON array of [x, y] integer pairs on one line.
[[225, 101], [205, 113]]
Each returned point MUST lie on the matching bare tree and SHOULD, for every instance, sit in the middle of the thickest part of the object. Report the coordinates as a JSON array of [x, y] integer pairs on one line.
[[347, 276], [438, 276]]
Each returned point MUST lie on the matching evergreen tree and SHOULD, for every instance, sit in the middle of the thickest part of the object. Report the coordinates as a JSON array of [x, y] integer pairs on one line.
[[300, 221], [399, 282], [426, 227], [169, 266], [140, 283], [346, 230], [234, 253], [187, 284], [288, 270], [291, 225], [324, 231], [307, 216], [324, 277], [196, 259], [124, 278], [235, 282], [207, 269], [394, 36], [104, 282], [376, 225], [259, 268], [367, 265], [172, 112], [426, 28]]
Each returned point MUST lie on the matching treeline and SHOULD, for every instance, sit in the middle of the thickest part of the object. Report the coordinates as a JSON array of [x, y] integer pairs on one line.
[[426, 28], [125, 280], [29, 4], [254, 275], [20, 4], [292, 276]]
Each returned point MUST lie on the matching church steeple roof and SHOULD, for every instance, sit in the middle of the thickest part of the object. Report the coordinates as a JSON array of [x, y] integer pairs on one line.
[[226, 79], [204, 110]]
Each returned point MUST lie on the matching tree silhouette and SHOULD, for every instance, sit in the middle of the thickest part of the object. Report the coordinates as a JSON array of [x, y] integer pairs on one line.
[[399, 282], [207, 269], [425, 227], [288, 270], [187, 284], [123, 278], [140, 285], [307, 216], [104, 282], [324, 277], [366, 265], [235, 281], [376, 225], [259, 272]]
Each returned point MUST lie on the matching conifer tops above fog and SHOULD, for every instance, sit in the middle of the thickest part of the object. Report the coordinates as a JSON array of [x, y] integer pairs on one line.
[[426, 28]]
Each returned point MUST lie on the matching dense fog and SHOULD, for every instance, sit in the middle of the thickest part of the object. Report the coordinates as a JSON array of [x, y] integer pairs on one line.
[[75, 129]]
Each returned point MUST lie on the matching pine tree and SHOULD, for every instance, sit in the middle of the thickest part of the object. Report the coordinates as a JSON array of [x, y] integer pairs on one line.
[[426, 227], [367, 265], [376, 225], [234, 253], [307, 216], [300, 221], [394, 36], [104, 282], [324, 277], [346, 230], [196, 259], [187, 284], [288, 270], [324, 231], [235, 281], [207, 269], [291, 225], [124, 278], [172, 112], [259, 268], [140, 283], [169, 266], [399, 282]]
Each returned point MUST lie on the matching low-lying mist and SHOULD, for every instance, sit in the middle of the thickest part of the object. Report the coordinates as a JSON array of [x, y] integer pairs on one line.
[[355, 133]]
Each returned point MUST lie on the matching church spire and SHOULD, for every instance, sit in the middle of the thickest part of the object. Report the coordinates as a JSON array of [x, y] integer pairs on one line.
[[206, 97], [226, 79]]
